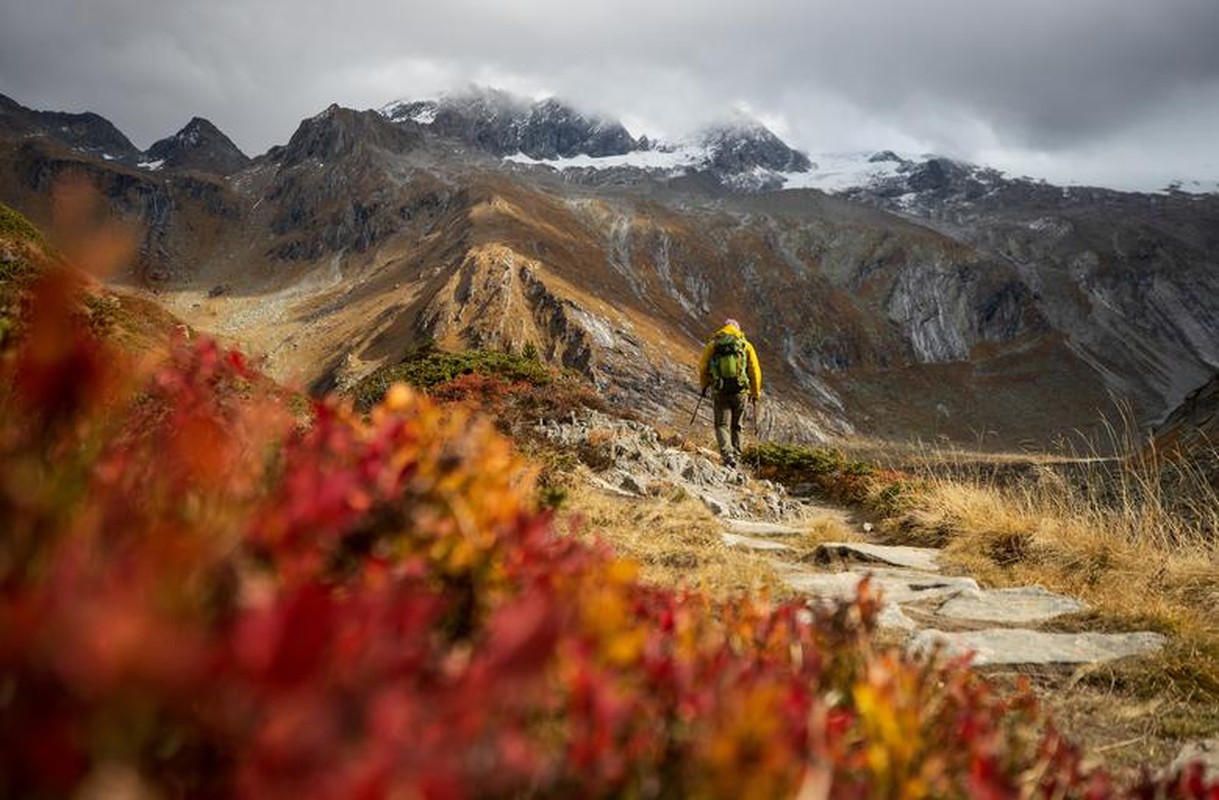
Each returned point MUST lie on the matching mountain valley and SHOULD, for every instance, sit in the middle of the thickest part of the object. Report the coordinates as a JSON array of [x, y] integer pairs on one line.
[[929, 299]]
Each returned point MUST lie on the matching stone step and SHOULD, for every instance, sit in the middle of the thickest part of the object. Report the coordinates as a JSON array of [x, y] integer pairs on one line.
[[920, 558], [748, 527], [752, 543], [1013, 646], [1020, 606], [1204, 752], [896, 585]]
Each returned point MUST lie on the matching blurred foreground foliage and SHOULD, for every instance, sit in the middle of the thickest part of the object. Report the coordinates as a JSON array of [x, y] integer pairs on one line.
[[204, 594]]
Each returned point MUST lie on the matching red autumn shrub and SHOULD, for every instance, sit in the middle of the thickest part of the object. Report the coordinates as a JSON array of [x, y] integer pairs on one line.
[[201, 597]]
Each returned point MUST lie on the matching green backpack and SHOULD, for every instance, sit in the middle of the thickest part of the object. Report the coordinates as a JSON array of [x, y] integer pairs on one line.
[[728, 364]]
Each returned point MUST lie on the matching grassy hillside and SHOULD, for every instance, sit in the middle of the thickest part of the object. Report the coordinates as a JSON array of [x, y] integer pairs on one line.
[[136, 323]]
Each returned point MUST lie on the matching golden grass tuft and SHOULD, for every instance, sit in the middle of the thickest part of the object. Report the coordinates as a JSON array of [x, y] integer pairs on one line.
[[1133, 538], [679, 543], [1136, 538], [1126, 559], [674, 538]]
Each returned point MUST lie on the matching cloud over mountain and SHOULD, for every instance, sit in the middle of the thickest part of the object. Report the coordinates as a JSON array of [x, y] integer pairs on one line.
[[1087, 90]]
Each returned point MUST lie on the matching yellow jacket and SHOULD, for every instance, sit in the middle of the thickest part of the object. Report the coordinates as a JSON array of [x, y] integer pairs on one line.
[[752, 368]]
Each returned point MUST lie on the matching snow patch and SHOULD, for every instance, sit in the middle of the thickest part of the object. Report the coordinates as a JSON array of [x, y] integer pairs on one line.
[[837, 172], [1190, 187], [152, 165], [420, 111], [667, 159], [425, 115], [830, 172]]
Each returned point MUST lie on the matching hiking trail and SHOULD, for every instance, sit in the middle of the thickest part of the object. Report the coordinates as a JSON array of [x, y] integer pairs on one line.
[[924, 606]]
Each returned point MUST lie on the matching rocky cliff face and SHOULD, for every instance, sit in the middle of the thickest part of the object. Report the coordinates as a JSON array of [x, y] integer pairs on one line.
[[1130, 279]]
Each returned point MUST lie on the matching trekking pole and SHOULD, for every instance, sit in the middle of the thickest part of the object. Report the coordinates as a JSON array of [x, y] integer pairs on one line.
[[698, 405], [754, 402]]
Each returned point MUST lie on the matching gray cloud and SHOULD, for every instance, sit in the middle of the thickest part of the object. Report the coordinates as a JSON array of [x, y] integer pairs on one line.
[[1069, 90]]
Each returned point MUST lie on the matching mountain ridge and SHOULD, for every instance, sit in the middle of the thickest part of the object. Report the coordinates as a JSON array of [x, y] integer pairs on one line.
[[948, 300]]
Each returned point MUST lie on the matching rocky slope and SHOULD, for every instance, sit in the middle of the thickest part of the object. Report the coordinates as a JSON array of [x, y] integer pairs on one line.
[[1184, 450], [1194, 423], [1129, 278], [956, 303]]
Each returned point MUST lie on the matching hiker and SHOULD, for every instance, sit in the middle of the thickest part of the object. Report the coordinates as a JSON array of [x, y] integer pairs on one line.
[[729, 366]]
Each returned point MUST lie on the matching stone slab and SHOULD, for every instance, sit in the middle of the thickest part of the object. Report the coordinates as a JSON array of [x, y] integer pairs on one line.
[[892, 616], [920, 558], [747, 527], [1022, 606], [1205, 752], [610, 488], [895, 585], [1019, 646], [751, 543]]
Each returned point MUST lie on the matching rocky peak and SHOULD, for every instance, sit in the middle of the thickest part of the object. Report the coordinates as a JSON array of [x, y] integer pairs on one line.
[[199, 146], [87, 132], [886, 155], [505, 124], [338, 131], [743, 144]]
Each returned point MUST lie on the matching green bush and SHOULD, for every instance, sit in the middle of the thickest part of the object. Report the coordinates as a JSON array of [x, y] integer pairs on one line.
[[830, 471], [430, 368], [791, 461]]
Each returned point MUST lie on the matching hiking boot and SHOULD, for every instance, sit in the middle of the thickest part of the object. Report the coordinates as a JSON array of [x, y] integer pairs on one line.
[[730, 462]]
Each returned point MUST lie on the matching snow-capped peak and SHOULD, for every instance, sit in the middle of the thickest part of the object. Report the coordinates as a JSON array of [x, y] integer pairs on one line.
[[504, 124]]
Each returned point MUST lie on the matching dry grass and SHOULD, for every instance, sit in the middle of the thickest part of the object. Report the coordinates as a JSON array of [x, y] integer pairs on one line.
[[1133, 538], [1130, 556], [679, 543], [675, 539]]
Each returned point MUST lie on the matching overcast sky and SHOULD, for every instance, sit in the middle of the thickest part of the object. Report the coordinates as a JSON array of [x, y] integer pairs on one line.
[[1122, 93]]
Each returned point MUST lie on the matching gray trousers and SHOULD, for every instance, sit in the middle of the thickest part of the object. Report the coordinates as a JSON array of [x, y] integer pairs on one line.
[[729, 410]]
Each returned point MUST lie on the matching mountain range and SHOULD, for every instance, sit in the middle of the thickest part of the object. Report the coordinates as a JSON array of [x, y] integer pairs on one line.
[[892, 295]]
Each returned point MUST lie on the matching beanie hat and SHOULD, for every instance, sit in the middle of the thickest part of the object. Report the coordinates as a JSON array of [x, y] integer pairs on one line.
[[732, 322]]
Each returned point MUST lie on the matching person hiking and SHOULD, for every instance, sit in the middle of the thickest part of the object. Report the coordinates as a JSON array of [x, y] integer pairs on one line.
[[729, 366]]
